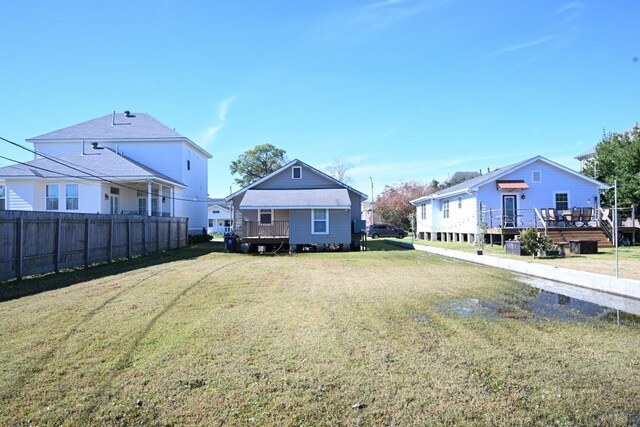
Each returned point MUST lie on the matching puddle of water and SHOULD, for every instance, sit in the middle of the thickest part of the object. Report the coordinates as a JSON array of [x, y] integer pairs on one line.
[[550, 300], [422, 318]]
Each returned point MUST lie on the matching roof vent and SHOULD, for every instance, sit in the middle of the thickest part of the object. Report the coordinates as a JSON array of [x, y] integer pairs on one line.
[[127, 113]]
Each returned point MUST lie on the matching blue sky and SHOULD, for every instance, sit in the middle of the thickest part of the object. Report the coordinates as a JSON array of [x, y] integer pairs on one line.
[[405, 89]]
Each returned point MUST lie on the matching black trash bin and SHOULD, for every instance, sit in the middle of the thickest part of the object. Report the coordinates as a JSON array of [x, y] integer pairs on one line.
[[230, 242]]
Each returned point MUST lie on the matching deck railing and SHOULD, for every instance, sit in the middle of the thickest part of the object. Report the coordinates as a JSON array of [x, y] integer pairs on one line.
[[257, 229]]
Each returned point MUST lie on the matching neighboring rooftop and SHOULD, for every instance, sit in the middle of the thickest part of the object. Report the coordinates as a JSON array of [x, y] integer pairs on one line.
[[121, 126], [101, 163], [587, 154], [461, 176]]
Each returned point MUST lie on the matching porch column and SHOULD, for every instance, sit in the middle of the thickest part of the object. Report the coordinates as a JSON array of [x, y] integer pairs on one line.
[[160, 199], [149, 198]]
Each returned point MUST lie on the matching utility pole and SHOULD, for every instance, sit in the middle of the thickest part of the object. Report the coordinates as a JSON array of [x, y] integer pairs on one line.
[[372, 199]]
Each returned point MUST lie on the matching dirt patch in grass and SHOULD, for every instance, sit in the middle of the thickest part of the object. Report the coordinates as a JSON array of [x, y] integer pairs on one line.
[[310, 339]]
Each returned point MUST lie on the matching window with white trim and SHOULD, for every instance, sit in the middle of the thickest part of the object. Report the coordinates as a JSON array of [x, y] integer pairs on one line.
[[296, 172], [216, 211], [536, 176], [3, 197], [72, 195], [423, 211], [319, 221], [459, 202], [210, 223], [562, 201], [52, 197], [445, 209], [265, 216]]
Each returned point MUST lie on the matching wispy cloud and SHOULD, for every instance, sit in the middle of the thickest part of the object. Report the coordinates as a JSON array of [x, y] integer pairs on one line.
[[569, 12], [223, 109], [359, 23], [525, 45]]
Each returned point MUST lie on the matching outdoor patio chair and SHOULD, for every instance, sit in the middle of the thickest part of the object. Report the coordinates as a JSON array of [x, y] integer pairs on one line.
[[587, 216], [553, 218], [544, 214], [574, 217]]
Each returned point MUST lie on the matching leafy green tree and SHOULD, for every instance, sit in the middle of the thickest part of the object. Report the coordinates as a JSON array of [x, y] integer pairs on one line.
[[618, 157], [257, 163]]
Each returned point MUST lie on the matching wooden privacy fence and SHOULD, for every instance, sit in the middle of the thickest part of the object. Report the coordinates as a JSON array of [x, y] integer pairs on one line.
[[41, 242]]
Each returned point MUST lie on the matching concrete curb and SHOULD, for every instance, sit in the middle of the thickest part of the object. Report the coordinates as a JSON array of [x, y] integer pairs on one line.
[[599, 282]]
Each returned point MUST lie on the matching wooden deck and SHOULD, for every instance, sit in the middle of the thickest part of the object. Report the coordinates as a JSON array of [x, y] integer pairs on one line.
[[557, 235]]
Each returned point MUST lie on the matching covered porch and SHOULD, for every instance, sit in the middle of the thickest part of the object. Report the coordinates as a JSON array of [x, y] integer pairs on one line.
[[148, 198]]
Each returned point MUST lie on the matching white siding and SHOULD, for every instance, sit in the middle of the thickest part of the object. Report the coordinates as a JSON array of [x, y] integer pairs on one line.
[[167, 157], [20, 195]]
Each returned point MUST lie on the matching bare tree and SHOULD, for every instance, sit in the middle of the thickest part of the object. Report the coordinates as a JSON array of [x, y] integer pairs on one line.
[[339, 169]]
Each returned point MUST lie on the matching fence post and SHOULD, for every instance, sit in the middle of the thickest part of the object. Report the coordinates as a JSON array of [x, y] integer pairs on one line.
[[110, 250], [144, 236], [179, 232], [169, 235], [158, 235], [128, 238], [86, 242], [20, 248], [58, 242], [186, 232]]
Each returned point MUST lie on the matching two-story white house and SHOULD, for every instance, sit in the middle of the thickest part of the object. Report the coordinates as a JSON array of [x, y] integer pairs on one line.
[[506, 200], [126, 163]]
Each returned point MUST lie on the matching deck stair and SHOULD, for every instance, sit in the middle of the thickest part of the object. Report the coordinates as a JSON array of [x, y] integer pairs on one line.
[[565, 234]]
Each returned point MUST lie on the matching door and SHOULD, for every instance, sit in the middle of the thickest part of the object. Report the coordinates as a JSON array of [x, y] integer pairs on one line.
[[114, 204], [509, 211]]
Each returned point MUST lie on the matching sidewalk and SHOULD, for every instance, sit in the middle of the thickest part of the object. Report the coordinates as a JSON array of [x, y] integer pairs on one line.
[[599, 282]]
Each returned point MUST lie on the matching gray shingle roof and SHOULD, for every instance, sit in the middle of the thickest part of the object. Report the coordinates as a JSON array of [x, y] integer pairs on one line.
[[103, 163], [291, 199], [464, 175], [137, 126], [587, 154]]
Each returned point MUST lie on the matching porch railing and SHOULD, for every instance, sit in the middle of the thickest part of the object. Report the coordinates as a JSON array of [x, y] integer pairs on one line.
[[256, 229]]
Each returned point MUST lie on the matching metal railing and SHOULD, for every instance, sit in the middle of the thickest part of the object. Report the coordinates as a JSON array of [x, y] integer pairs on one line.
[[257, 229]]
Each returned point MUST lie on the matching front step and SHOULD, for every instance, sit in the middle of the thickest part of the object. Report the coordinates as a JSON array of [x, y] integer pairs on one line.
[[565, 234]]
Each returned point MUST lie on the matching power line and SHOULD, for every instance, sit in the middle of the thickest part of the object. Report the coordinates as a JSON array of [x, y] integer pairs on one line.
[[85, 171]]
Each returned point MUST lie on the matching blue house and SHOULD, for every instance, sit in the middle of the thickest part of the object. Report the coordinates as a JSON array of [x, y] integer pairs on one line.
[[512, 198], [297, 207]]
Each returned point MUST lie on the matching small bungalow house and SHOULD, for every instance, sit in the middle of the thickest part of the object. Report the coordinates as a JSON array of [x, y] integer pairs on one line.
[[219, 216], [506, 200], [126, 163], [298, 206]]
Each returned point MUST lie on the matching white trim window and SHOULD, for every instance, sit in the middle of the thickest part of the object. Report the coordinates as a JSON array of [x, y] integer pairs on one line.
[[296, 172], [72, 196], [3, 197], [319, 221], [561, 201], [445, 209], [460, 202], [536, 176], [52, 197], [423, 211], [265, 216]]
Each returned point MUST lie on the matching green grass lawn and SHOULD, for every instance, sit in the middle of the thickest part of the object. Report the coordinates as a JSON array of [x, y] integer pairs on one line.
[[210, 338], [603, 262]]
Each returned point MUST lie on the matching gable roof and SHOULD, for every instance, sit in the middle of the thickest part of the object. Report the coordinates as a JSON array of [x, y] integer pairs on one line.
[[117, 127], [474, 183], [102, 163], [288, 165]]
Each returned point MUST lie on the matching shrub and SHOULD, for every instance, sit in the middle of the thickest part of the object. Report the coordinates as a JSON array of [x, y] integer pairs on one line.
[[199, 238], [535, 243]]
